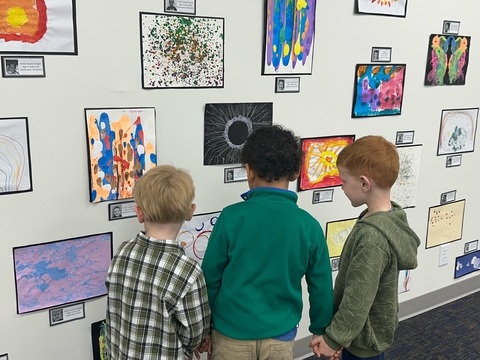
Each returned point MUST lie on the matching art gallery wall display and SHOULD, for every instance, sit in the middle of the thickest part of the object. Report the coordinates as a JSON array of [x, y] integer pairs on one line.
[[445, 223], [381, 54], [227, 126], [378, 90], [98, 332], [382, 7], [23, 66], [121, 210], [447, 60], [320, 196], [180, 6], [453, 161], [319, 167], [467, 264], [61, 272], [404, 137], [451, 27], [287, 84], [67, 313], [458, 128], [50, 27], [404, 190], [15, 163], [235, 174], [471, 246], [121, 145], [289, 37], [448, 196], [182, 51]]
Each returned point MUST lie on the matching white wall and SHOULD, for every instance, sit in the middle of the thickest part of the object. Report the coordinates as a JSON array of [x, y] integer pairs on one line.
[[107, 73]]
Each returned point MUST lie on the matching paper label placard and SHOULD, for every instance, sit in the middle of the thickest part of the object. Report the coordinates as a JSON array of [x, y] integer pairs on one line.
[[67, 313]]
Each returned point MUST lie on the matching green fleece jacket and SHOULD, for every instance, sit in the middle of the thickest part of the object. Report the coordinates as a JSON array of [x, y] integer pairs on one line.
[[366, 288], [257, 255]]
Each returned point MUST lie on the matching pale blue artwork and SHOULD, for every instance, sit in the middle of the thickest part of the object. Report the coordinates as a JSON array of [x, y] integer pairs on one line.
[[61, 272]]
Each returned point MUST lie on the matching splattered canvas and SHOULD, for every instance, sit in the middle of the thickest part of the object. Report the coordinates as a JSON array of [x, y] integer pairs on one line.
[[289, 37], [319, 168], [457, 131], [336, 234], [227, 126], [445, 223], [181, 51], [404, 191], [121, 148], [378, 90], [447, 60], [382, 7]]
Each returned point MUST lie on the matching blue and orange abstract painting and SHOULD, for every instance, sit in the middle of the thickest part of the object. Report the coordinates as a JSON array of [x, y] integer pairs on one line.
[[447, 60], [378, 90], [289, 33], [121, 147]]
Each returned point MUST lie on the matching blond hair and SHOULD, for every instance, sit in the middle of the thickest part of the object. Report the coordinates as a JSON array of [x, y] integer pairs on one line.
[[165, 194], [374, 157]]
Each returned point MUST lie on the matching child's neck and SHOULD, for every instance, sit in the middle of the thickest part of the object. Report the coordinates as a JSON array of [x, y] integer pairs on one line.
[[163, 231], [280, 184], [378, 200]]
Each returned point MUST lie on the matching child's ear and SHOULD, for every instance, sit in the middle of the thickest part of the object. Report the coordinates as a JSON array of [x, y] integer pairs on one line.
[[194, 206], [140, 215], [365, 183]]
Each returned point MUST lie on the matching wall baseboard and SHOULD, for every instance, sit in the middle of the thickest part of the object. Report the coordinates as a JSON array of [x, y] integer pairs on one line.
[[412, 307]]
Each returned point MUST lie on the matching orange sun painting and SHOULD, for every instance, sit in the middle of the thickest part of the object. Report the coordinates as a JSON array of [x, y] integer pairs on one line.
[[23, 20]]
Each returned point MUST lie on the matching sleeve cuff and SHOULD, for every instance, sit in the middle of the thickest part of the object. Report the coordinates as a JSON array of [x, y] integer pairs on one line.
[[333, 345]]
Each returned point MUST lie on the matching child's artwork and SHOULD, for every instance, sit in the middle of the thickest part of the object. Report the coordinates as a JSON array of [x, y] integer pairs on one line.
[[99, 340], [336, 233], [445, 223], [319, 168], [404, 191], [378, 90], [457, 131], [447, 60], [181, 51], [15, 166], [121, 148], [227, 126], [404, 279], [289, 37], [466, 264], [194, 234], [61, 272], [39, 26], [382, 7]]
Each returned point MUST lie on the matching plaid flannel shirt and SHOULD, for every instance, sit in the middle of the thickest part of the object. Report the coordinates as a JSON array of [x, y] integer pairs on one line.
[[157, 305]]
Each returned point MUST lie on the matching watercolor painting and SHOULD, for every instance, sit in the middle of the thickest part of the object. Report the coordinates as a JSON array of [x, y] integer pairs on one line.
[[289, 37], [194, 234], [378, 90], [227, 126], [182, 51], [447, 60], [382, 7], [457, 131], [336, 234], [404, 191], [404, 280], [99, 340], [38, 26], [121, 148], [61, 272], [445, 223], [467, 264], [15, 165], [319, 168]]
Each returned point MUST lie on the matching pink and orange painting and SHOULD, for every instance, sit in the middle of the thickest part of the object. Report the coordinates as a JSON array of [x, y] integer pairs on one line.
[[319, 168]]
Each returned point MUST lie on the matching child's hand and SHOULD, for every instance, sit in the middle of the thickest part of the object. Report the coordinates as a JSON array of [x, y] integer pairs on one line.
[[320, 348], [205, 346]]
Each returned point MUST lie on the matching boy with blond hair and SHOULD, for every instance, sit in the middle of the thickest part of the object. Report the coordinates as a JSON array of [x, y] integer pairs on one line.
[[380, 245], [157, 304]]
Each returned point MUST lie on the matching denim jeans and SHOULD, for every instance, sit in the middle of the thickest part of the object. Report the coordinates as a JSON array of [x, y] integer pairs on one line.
[[349, 356]]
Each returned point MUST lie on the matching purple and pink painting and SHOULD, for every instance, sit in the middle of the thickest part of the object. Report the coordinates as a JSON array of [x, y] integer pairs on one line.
[[378, 90], [289, 33]]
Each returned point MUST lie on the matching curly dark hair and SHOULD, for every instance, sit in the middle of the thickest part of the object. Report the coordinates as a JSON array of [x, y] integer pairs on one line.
[[273, 152]]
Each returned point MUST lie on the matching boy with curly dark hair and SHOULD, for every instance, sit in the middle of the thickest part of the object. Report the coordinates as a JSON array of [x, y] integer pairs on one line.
[[258, 253]]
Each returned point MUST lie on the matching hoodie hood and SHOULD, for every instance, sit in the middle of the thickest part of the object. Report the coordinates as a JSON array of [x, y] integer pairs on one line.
[[402, 239]]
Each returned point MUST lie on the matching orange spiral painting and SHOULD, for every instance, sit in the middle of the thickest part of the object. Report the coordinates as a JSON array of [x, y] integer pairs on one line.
[[23, 20]]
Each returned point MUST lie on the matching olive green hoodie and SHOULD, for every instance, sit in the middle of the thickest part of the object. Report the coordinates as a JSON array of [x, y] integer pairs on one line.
[[366, 288]]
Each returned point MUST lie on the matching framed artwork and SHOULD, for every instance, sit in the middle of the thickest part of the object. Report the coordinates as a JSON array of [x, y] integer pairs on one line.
[[194, 234], [319, 168], [181, 51], [180, 6], [61, 272], [15, 164], [99, 340], [38, 26], [447, 60], [336, 234], [121, 148], [289, 37], [23, 66], [404, 190], [382, 7], [227, 126], [445, 223], [404, 280], [457, 131], [467, 264], [378, 90]]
